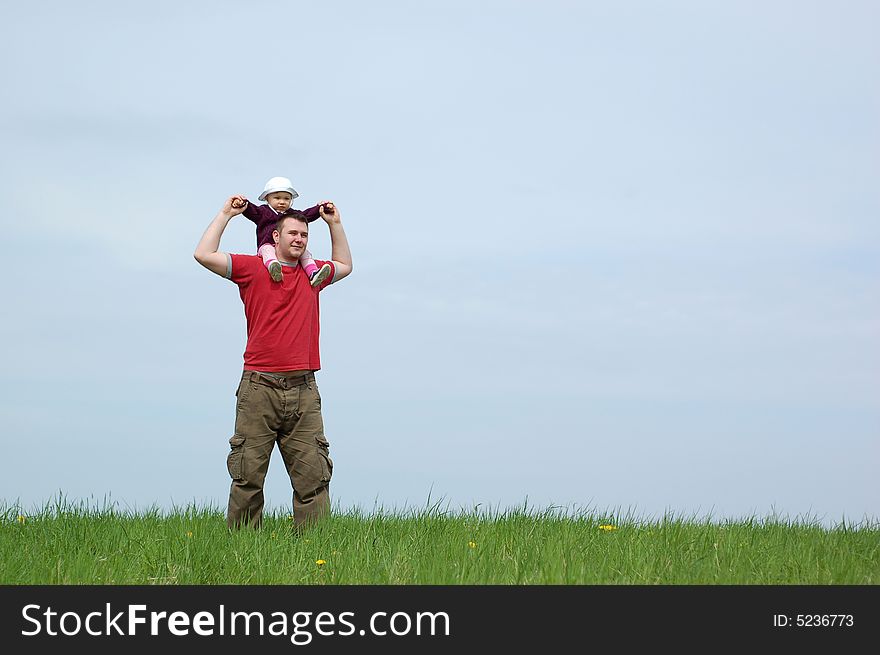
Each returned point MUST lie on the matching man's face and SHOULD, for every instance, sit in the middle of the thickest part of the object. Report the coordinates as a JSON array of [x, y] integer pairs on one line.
[[292, 240], [279, 200]]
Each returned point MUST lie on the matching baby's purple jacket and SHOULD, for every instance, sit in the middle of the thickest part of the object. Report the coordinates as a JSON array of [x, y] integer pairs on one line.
[[265, 217]]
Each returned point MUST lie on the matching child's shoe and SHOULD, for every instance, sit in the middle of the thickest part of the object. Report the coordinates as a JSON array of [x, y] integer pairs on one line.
[[320, 275], [275, 270]]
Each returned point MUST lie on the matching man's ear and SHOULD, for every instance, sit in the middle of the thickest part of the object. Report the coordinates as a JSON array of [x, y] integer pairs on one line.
[[276, 237]]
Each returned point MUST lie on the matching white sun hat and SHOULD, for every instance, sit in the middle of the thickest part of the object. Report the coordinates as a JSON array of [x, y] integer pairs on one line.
[[278, 184]]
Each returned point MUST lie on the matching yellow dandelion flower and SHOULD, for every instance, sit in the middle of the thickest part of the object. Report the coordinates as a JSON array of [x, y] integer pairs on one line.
[[320, 562], [608, 528], [21, 518], [472, 544], [189, 534]]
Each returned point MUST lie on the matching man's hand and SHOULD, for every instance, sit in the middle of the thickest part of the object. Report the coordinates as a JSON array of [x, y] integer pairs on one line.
[[329, 212], [234, 205]]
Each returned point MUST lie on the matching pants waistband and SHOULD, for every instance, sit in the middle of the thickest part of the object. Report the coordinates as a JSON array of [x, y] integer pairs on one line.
[[279, 381]]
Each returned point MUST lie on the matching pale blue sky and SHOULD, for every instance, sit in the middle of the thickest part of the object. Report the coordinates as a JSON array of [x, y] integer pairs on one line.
[[613, 255]]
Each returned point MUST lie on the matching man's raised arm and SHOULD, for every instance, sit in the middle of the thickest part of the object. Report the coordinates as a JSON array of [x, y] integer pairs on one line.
[[341, 254], [207, 252]]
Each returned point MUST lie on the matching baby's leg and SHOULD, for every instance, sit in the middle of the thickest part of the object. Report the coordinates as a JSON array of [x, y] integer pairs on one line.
[[316, 275], [267, 252], [270, 261], [308, 263]]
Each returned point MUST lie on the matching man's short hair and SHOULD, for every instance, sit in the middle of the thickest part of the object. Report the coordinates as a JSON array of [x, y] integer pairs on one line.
[[295, 214]]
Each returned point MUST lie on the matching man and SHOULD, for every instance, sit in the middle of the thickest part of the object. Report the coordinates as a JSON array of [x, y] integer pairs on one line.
[[278, 399]]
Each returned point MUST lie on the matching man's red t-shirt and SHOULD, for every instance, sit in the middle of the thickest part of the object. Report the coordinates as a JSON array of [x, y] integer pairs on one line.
[[283, 319]]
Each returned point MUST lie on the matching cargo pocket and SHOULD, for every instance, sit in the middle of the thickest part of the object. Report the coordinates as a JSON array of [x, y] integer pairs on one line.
[[324, 456], [235, 457]]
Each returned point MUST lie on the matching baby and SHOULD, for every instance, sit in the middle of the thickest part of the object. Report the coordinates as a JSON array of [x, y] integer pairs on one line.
[[279, 195]]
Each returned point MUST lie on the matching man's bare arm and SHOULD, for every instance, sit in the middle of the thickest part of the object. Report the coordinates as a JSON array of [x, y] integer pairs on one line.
[[341, 254], [207, 252]]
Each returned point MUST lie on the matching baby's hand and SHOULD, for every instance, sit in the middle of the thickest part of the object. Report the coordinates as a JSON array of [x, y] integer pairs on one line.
[[239, 202]]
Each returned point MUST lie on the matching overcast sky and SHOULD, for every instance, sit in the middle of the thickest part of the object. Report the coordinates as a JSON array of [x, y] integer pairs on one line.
[[620, 256]]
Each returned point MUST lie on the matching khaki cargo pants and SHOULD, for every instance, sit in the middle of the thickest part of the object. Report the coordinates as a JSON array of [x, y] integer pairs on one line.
[[286, 411]]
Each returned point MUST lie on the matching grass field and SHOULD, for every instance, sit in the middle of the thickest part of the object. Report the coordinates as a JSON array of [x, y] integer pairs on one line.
[[70, 544]]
